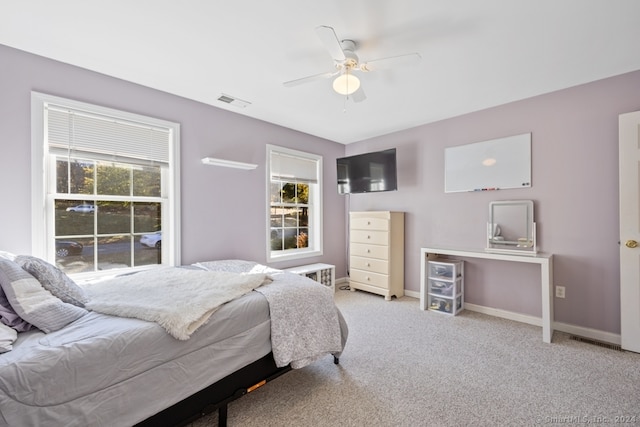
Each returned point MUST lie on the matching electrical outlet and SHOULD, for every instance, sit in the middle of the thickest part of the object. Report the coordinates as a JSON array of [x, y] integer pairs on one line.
[[559, 291]]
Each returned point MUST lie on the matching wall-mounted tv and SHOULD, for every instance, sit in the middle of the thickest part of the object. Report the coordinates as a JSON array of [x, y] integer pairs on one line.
[[367, 173]]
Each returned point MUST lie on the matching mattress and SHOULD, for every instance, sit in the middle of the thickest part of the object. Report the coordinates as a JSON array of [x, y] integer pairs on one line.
[[77, 376]]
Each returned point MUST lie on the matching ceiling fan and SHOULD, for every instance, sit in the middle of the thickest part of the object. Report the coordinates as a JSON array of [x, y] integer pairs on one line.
[[346, 62]]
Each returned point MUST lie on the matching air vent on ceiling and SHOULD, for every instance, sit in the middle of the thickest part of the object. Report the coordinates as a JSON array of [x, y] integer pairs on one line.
[[236, 102]]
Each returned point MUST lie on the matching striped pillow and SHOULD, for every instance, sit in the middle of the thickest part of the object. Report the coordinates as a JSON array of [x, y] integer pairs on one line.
[[32, 302]]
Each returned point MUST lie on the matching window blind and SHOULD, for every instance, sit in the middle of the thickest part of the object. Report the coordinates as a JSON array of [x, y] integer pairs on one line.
[[286, 167], [80, 133]]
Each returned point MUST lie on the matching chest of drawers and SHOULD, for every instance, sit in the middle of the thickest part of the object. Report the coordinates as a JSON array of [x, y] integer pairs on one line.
[[376, 252]]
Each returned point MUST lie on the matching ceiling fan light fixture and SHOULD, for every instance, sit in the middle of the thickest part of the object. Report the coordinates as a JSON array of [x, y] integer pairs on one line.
[[346, 84]]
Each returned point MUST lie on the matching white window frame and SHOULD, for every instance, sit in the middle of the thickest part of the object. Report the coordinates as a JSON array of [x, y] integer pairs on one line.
[[315, 247], [42, 202]]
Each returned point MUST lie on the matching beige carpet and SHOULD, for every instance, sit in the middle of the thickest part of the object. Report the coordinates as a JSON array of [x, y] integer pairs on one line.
[[406, 367]]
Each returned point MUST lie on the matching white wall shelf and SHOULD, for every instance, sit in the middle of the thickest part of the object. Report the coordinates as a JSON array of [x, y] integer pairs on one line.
[[211, 161]]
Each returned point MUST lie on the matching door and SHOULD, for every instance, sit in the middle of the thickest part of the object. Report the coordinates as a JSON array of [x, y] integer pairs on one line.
[[629, 149]]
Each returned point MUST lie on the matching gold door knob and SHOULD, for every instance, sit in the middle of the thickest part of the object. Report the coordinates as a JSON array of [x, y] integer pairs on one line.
[[631, 244]]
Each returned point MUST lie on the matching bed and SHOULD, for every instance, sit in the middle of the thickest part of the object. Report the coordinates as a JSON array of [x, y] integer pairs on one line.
[[106, 369]]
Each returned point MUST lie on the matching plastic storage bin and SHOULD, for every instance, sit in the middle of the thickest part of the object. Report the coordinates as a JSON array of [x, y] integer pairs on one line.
[[445, 286]]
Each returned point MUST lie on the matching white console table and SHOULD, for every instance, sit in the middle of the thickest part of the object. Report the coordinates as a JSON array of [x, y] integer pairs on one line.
[[546, 277]]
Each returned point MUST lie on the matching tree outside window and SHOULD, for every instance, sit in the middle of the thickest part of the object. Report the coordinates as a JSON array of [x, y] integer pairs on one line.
[[125, 205], [105, 184], [295, 204], [289, 216]]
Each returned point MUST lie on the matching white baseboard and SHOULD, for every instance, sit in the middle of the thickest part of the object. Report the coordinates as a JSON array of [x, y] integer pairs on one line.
[[580, 331], [594, 334], [518, 317], [412, 294]]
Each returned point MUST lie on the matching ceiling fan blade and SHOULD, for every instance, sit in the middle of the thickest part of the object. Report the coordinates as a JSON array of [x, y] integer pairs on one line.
[[392, 61], [359, 95], [296, 82], [331, 42]]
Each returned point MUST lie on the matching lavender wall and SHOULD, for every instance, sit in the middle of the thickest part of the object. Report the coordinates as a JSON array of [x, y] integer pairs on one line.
[[575, 191], [223, 210], [575, 182]]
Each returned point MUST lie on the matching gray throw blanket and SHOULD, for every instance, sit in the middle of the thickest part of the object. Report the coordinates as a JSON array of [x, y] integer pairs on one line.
[[304, 320]]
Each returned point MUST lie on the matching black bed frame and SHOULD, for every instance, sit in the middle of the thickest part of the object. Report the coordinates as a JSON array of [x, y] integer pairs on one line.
[[219, 395]]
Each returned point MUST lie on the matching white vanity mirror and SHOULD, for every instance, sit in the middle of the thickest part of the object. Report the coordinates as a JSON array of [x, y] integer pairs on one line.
[[511, 228]]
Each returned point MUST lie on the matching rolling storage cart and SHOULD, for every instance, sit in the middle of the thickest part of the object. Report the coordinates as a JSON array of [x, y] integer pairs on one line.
[[445, 286]]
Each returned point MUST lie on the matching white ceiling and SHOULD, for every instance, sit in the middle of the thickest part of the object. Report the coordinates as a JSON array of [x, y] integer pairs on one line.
[[475, 54]]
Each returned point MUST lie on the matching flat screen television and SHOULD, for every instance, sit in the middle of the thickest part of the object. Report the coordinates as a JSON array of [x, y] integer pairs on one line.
[[367, 173]]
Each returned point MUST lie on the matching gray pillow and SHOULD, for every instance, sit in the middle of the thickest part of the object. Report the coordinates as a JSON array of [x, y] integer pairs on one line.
[[7, 337], [34, 303], [53, 279], [9, 317]]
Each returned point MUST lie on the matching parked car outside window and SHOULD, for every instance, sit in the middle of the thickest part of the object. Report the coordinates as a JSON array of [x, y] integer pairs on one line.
[[153, 240], [82, 208], [68, 247]]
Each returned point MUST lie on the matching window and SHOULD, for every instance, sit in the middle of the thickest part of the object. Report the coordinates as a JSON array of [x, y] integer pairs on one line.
[[295, 204], [105, 187]]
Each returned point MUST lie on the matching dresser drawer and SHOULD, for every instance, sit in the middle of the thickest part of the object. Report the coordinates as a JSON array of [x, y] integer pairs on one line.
[[369, 251], [370, 237], [369, 278], [370, 224], [370, 264]]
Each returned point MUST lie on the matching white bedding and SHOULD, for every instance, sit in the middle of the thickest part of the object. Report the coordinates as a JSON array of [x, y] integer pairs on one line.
[[105, 371]]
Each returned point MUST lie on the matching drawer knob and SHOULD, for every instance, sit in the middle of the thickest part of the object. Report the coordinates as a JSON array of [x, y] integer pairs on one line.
[[368, 278], [368, 222], [368, 250], [368, 237], [368, 264]]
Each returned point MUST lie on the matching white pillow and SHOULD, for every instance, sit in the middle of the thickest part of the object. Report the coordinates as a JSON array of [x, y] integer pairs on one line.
[[7, 337]]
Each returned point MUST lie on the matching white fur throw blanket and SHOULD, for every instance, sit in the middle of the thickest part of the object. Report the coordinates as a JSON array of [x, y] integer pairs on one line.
[[178, 299]]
